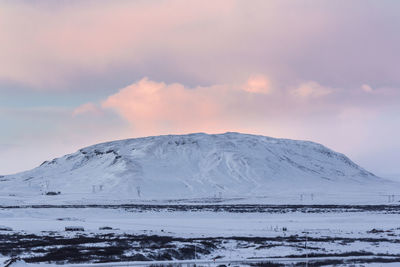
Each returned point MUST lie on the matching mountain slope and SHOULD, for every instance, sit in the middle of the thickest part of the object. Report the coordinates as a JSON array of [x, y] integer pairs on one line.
[[193, 166]]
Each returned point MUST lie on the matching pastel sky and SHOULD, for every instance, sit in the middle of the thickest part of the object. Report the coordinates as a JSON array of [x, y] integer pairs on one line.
[[75, 73]]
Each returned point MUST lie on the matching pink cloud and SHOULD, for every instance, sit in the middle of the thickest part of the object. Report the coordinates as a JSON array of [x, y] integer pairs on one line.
[[47, 45], [87, 108], [309, 111], [153, 107], [367, 88], [311, 89], [159, 108], [258, 84], [254, 106]]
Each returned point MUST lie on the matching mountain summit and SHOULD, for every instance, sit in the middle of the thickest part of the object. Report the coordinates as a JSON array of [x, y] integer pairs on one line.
[[195, 166]]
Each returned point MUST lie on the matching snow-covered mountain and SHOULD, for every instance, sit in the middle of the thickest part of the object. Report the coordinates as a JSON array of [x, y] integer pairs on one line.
[[195, 166]]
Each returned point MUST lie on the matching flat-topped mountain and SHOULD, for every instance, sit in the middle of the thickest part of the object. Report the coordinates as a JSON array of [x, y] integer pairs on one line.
[[195, 166]]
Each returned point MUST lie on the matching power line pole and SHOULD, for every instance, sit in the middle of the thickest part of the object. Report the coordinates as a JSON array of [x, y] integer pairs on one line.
[[306, 232], [195, 256], [306, 251]]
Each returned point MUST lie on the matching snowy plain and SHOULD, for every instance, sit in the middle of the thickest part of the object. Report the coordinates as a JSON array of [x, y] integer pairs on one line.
[[227, 197], [224, 234]]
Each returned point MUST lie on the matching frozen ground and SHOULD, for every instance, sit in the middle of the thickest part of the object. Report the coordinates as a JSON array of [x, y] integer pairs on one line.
[[390, 196], [179, 232], [201, 197]]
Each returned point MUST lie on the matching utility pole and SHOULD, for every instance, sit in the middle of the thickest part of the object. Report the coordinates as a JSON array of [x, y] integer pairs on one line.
[[390, 198], [195, 256], [306, 251], [306, 232]]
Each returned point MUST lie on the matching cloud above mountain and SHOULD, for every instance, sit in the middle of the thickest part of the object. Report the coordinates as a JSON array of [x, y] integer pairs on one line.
[[72, 73], [81, 45], [152, 107]]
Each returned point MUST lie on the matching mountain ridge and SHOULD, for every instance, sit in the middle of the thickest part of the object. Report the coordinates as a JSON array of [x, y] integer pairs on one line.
[[195, 165]]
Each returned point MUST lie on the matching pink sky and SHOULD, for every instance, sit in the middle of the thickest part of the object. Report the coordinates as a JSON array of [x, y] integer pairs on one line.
[[75, 73]]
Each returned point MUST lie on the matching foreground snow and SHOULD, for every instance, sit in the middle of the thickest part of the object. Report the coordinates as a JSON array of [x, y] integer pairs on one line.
[[205, 232]]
